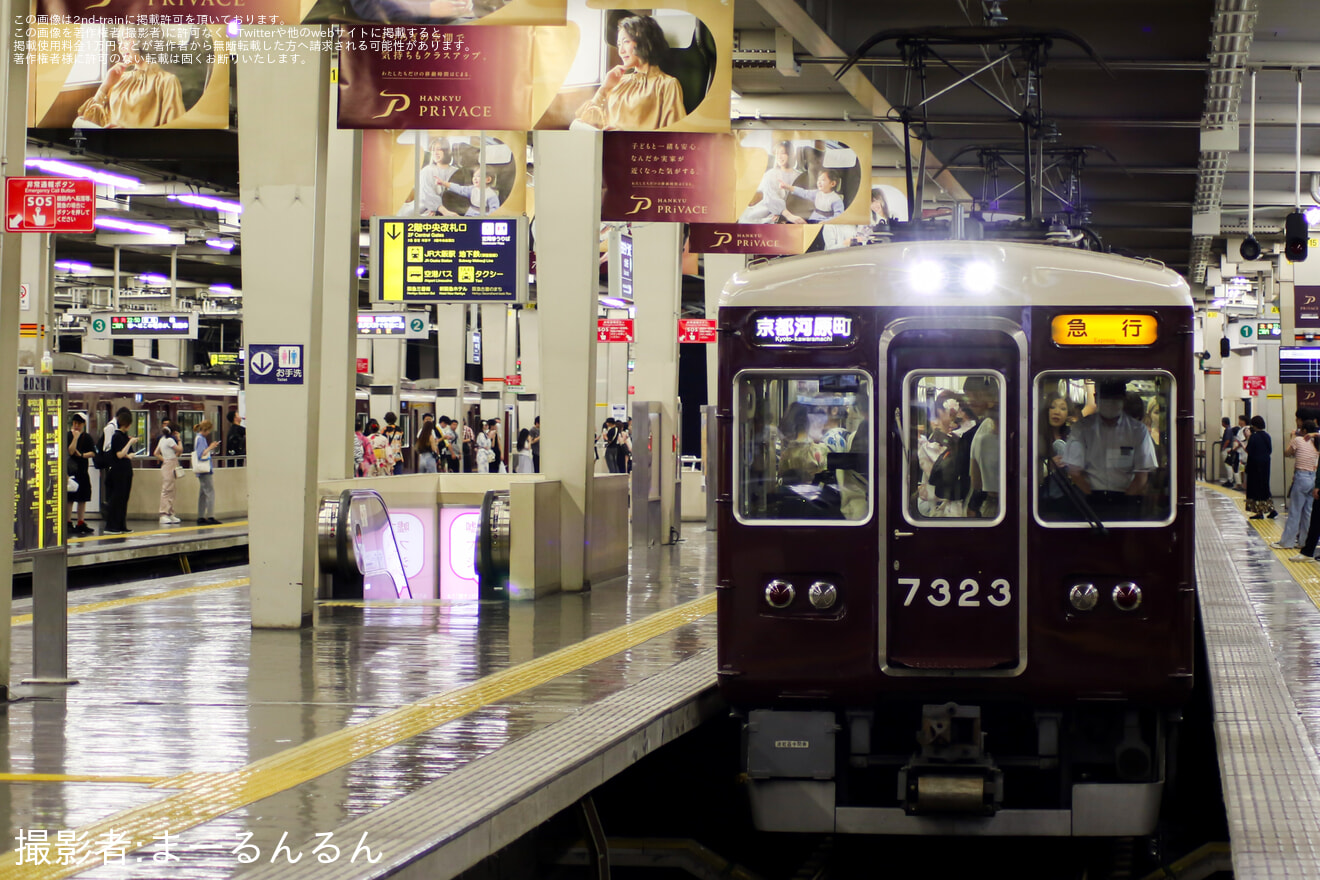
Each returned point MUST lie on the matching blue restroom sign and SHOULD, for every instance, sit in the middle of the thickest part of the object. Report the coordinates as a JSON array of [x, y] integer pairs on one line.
[[275, 364]]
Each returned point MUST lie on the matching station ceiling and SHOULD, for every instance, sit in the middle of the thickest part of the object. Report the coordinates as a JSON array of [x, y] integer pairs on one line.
[[1157, 119]]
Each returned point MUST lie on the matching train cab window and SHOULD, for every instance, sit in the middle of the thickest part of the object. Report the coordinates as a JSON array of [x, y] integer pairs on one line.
[[954, 445], [1103, 448], [802, 447]]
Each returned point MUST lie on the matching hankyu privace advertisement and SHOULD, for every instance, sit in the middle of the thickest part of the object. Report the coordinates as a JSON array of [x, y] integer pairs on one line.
[[611, 67], [435, 173], [128, 76]]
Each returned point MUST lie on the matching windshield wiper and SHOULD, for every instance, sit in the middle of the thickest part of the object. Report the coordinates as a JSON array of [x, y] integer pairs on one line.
[[1077, 497]]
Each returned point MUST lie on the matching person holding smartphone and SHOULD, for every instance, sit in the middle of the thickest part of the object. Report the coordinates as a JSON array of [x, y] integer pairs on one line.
[[119, 480], [203, 449]]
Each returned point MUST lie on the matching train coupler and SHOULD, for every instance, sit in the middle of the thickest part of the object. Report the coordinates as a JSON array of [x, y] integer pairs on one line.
[[952, 773]]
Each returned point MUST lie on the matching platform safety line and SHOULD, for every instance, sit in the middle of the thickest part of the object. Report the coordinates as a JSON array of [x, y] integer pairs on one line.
[[1306, 574], [81, 777], [86, 538], [209, 795], [22, 619]]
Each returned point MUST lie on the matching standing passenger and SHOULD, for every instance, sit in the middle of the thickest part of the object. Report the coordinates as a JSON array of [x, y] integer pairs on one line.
[[236, 442], [536, 445], [203, 449], [1259, 450], [167, 453], [119, 481], [427, 460], [81, 449], [1305, 447]]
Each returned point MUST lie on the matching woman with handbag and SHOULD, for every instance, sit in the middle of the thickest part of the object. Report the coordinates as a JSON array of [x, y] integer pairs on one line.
[[167, 453], [79, 491], [202, 451]]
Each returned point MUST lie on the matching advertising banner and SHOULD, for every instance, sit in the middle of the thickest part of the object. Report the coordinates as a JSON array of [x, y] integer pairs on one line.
[[397, 166], [762, 239], [129, 76], [610, 67], [450, 12], [291, 12], [1306, 306], [762, 178]]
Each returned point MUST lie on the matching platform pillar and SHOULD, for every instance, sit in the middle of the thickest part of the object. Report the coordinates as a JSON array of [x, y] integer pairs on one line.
[[13, 149], [37, 275], [283, 167], [568, 278], [657, 291], [339, 325]]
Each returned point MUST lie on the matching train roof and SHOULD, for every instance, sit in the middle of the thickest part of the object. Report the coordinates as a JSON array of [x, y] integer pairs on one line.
[[1006, 273]]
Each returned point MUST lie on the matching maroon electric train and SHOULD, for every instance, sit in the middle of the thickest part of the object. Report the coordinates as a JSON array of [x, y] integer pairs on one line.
[[956, 589]]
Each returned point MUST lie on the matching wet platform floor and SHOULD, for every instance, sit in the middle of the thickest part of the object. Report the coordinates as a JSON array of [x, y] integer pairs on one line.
[[188, 723]]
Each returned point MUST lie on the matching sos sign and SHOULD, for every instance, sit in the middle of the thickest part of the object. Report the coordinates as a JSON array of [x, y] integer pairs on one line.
[[49, 204]]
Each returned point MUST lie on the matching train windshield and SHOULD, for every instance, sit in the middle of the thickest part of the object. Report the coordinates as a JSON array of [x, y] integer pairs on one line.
[[803, 447], [954, 444], [1102, 448]]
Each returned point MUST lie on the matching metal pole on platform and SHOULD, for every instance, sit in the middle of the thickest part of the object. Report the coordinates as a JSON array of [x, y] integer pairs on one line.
[[50, 618]]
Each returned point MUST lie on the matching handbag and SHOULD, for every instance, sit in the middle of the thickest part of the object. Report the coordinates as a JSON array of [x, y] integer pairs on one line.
[[178, 472], [201, 465], [71, 486]]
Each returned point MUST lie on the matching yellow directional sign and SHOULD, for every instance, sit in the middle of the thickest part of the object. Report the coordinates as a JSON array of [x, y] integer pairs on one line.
[[449, 259]]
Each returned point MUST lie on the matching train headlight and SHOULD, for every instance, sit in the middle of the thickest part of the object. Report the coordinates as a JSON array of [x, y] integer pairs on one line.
[[1083, 597], [926, 276], [822, 594], [779, 594], [978, 276], [1127, 596]]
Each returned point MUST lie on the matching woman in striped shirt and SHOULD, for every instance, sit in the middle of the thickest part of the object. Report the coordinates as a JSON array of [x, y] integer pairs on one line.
[[1305, 450]]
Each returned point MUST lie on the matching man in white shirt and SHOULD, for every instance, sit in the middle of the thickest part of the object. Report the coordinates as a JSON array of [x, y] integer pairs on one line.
[[1110, 456]]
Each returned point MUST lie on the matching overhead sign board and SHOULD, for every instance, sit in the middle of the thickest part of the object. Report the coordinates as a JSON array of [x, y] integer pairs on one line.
[[821, 331], [275, 365], [49, 204], [143, 325], [401, 325], [224, 358], [614, 329], [444, 259]]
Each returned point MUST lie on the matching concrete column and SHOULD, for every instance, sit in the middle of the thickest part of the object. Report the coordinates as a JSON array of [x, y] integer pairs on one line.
[[568, 270], [173, 351], [511, 369], [494, 341], [657, 291], [717, 270], [141, 348], [282, 160], [613, 372], [13, 148], [387, 364], [453, 342], [339, 317], [529, 332]]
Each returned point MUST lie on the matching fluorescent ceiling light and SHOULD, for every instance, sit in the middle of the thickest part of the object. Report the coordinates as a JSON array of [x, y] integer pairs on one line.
[[132, 226], [207, 202], [223, 244], [361, 271], [153, 278], [613, 303], [73, 266], [221, 288], [68, 169]]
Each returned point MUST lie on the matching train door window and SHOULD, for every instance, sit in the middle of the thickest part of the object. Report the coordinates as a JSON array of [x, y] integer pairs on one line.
[[143, 446], [802, 447], [953, 444], [1103, 448], [187, 421]]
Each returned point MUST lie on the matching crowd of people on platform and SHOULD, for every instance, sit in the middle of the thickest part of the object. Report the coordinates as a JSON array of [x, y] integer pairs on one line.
[[446, 446]]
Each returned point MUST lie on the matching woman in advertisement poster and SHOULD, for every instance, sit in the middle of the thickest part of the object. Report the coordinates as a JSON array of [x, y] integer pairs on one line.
[[767, 203], [136, 92], [636, 94]]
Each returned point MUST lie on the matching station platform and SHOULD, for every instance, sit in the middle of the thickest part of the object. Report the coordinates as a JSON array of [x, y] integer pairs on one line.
[[148, 540], [1261, 616], [431, 733]]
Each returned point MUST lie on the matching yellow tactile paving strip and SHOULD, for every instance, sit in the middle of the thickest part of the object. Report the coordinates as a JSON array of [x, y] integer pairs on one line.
[[80, 777], [21, 619], [1307, 574], [170, 531], [207, 796]]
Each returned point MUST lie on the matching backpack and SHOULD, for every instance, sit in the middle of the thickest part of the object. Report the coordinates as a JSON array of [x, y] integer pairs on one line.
[[104, 459]]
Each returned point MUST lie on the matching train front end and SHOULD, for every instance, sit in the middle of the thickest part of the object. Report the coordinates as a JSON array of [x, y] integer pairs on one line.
[[955, 537]]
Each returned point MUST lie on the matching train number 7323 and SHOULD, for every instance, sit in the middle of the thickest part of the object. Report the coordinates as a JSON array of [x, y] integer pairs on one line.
[[941, 592]]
